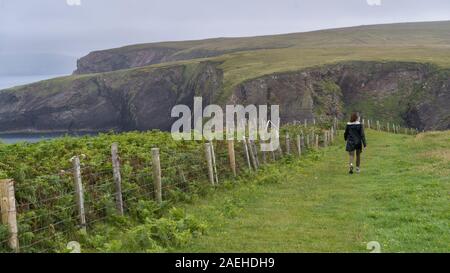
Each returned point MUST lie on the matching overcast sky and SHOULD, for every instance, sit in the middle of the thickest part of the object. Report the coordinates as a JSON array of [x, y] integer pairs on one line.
[[55, 27]]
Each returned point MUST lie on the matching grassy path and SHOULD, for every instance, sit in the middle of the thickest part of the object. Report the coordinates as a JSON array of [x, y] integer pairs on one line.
[[401, 199]]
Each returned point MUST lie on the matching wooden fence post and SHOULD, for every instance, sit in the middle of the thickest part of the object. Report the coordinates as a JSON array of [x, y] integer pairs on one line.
[[317, 142], [232, 157], [337, 130], [213, 156], [307, 141], [272, 151], [264, 159], [299, 145], [117, 177], [247, 156], [183, 177], [255, 149], [280, 150], [252, 155], [288, 144], [332, 135], [156, 164], [8, 211], [209, 163], [79, 193], [387, 126]]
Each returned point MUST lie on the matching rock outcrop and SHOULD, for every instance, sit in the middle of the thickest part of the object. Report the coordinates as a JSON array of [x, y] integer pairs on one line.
[[136, 100], [412, 94], [134, 56]]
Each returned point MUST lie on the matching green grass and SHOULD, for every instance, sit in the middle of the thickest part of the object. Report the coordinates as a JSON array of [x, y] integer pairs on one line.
[[312, 205], [404, 34]]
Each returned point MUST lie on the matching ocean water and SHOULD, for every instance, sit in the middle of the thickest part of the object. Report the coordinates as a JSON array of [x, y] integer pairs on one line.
[[16, 138], [11, 81], [33, 138]]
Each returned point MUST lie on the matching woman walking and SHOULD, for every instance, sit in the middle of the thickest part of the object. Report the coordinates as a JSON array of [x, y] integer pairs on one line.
[[355, 138]]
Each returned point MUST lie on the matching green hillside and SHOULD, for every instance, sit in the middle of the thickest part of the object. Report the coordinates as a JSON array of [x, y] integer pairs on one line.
[[400, 200], [247, 58], [255, 56], [403, 34]]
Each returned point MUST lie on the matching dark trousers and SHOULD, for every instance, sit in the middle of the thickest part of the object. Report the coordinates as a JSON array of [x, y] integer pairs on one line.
[[358, 157]]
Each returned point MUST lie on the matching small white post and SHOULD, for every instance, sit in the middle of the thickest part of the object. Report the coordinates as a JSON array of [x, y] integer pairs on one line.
[[288, 144], [213, 156], [157, 175], [79, 194], [209, 163], [247, 156], [232, 157], [117, 177]]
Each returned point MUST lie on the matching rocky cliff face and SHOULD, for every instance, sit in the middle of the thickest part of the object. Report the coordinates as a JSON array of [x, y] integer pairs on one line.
[[412, 94], [106, 61], [135, 100], [117, 59]]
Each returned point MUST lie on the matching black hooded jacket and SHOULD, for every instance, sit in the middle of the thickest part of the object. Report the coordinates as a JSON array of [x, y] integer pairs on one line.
[[354, 135]]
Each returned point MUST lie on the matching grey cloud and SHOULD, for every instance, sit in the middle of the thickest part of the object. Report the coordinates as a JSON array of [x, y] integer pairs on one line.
[[53, 27]]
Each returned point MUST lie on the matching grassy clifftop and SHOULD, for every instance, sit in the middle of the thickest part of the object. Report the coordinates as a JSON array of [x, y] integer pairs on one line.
[[247, 58], [404, 34]]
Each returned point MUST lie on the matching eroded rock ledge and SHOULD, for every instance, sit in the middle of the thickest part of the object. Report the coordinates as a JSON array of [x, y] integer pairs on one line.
[[412, 94]]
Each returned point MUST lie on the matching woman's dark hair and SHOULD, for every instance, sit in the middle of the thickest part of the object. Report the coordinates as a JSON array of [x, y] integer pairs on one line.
[[354, 117]]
